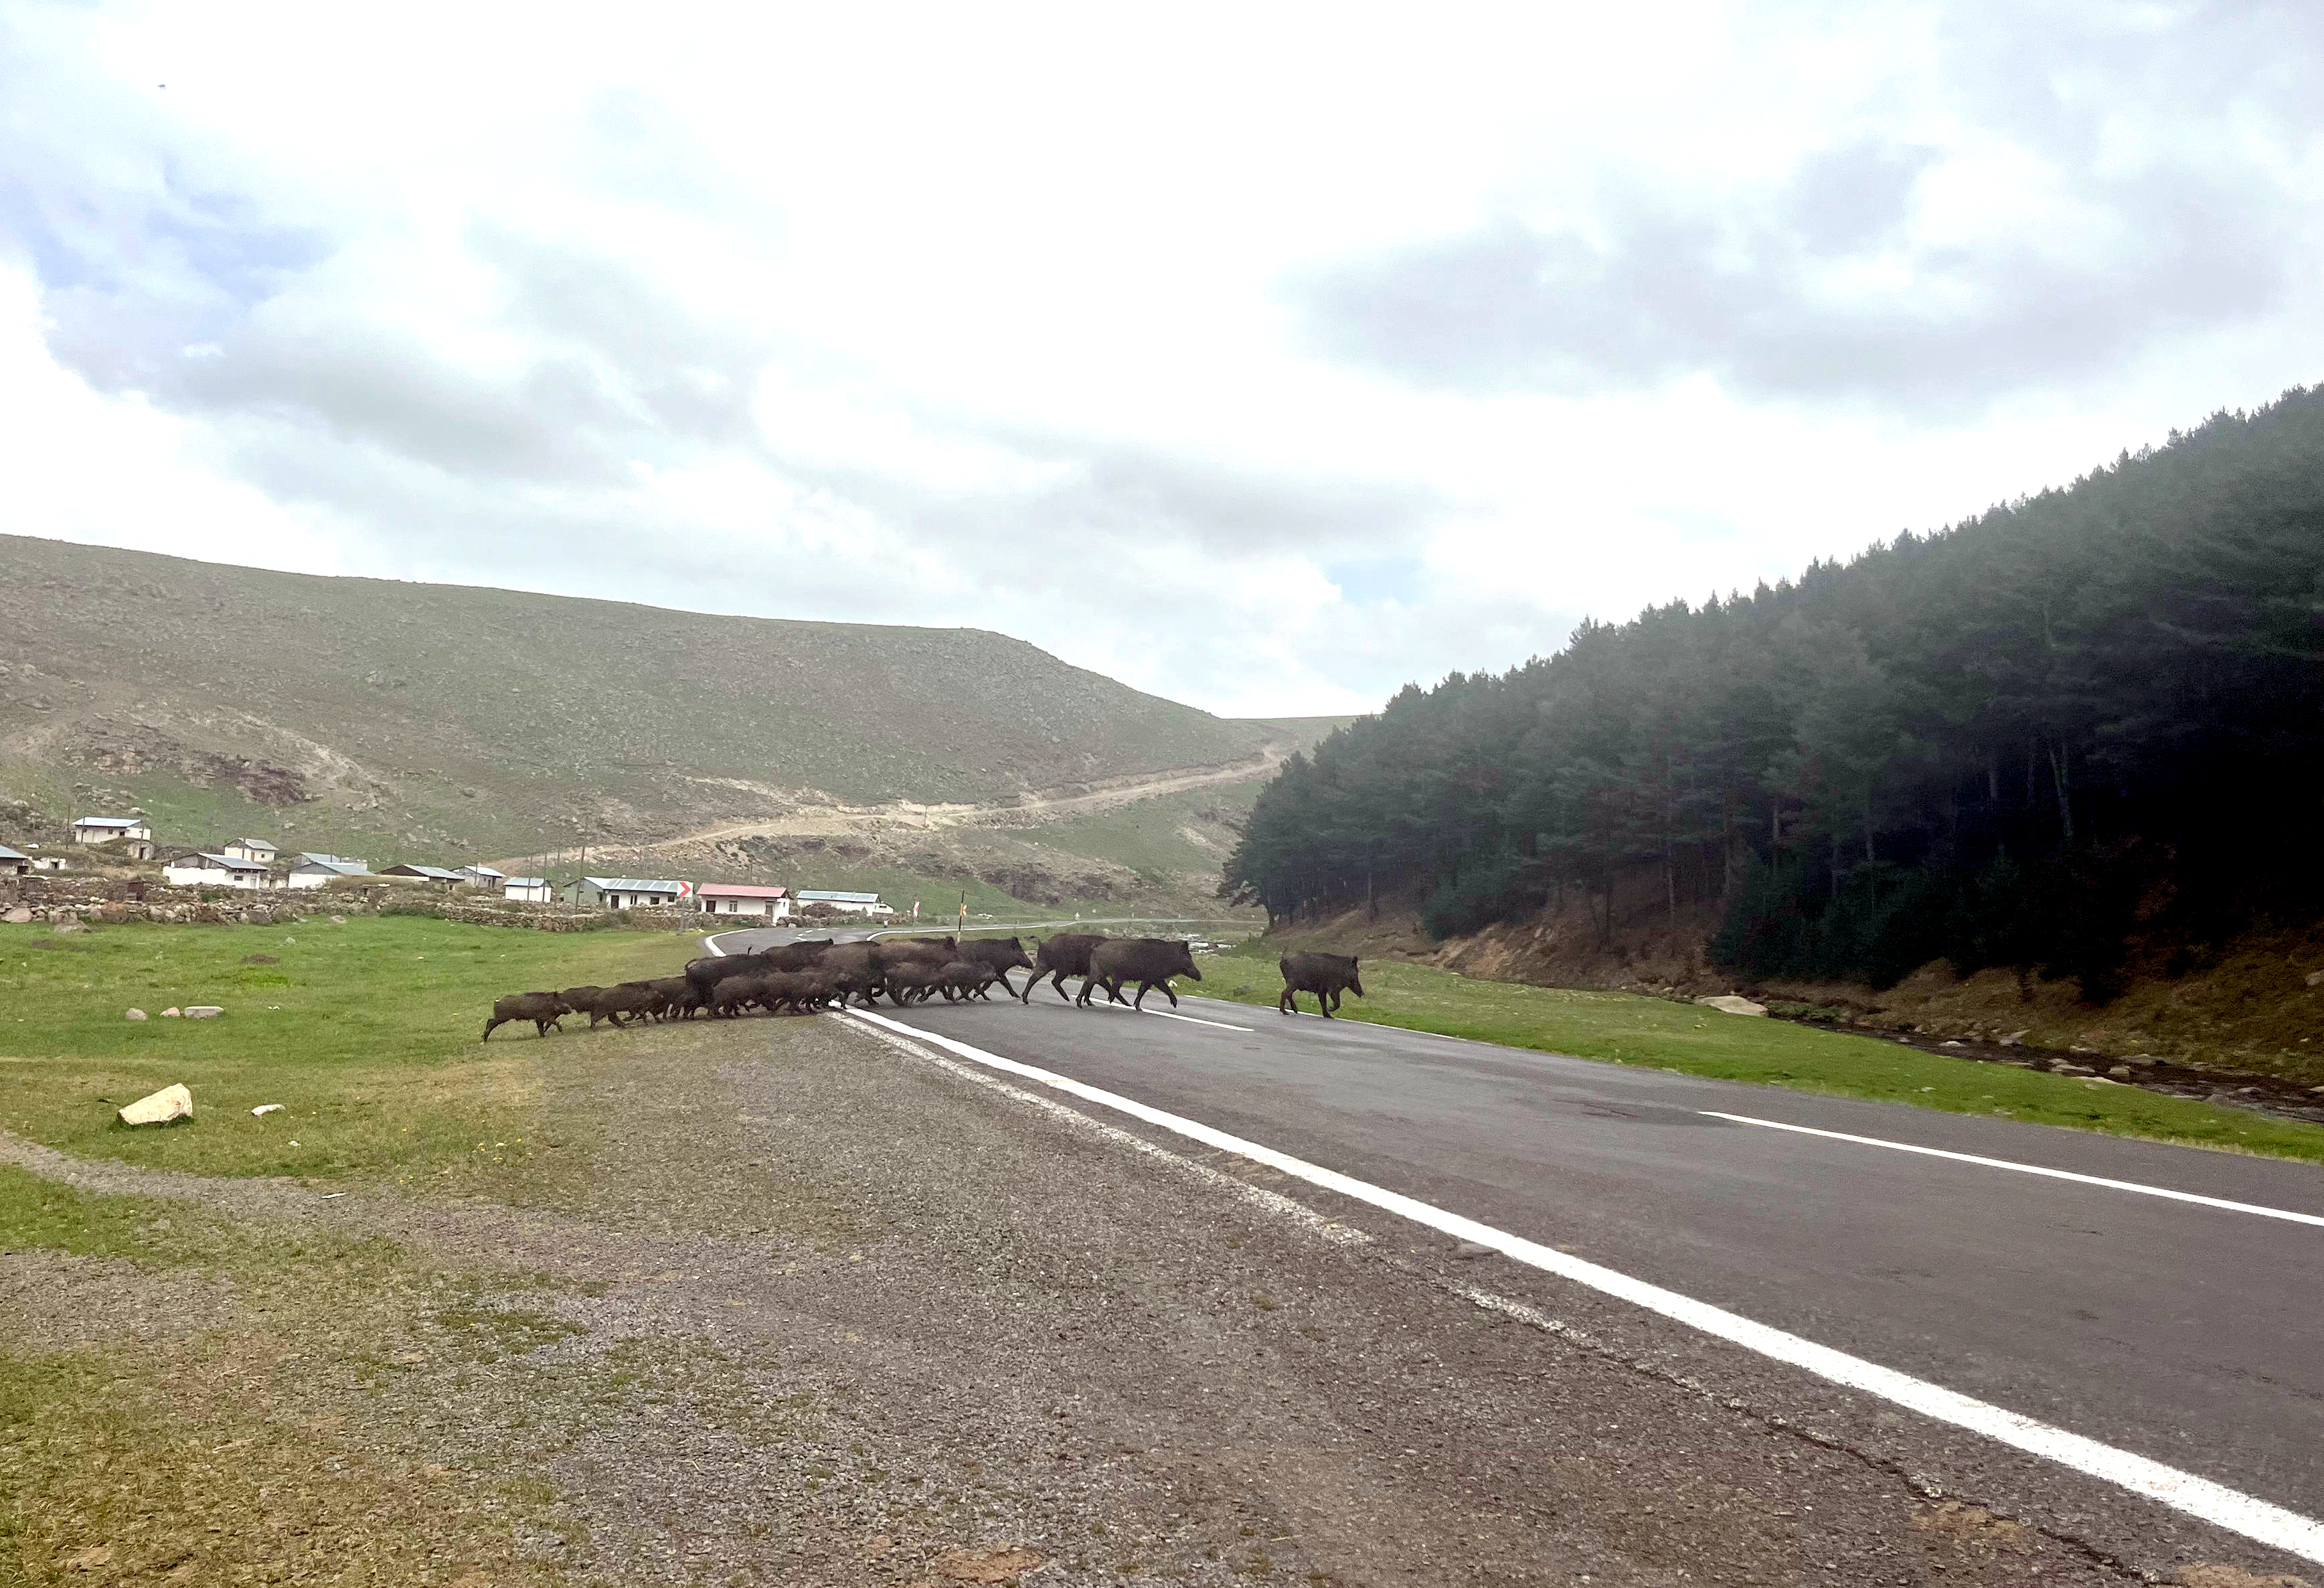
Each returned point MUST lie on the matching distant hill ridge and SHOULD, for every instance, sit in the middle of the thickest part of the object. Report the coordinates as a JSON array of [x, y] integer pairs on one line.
[[502, 720]]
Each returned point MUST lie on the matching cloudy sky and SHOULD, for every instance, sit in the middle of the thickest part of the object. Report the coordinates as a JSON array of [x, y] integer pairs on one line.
[[1261, 357]]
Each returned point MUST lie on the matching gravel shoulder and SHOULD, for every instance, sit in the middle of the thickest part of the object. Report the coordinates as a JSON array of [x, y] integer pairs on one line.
[[813, 1307]]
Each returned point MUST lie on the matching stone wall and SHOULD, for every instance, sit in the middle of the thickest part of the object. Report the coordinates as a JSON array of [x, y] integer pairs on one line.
[[72, 901]]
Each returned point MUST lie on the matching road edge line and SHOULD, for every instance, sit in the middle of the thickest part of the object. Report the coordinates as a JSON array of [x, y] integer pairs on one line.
[[2257, 1519], [2024, 1168]]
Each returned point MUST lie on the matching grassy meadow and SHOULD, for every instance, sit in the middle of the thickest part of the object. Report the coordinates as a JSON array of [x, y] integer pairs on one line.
[[365, 1031], [1626, 1028]]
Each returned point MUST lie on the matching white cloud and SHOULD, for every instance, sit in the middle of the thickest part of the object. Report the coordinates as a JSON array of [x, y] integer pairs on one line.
[[1008, 318]]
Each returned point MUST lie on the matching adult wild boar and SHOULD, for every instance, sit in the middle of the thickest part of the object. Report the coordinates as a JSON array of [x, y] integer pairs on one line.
[[797, 992], [999, 956], [611, 1003], [1150, 962], [1065, 954], [1326, 975], [542, 1008], [796, 957], [711, 969]]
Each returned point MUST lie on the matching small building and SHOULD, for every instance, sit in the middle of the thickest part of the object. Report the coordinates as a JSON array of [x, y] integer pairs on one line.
[[204, 870], [54, 862], [108, 829], [740, 898], [439, 875], [528, 890], [14, 862], [362, 868], [626, 892], [843, 902], [312, 871], [257, 849], [481, 876]]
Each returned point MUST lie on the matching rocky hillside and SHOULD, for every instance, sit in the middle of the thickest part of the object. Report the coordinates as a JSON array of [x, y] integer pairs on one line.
[[382, 716]]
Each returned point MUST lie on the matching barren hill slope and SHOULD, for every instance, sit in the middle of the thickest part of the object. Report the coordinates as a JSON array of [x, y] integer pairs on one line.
[[488, 721]]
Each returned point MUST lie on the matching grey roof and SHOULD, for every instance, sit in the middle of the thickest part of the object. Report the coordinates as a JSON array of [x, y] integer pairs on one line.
[[479, 871], [337, 868], [827, 896], [228, 862], [334, 860], [8, 854], [634, 885], [110, 821], [255, 844], [434, 873], [524, 882]]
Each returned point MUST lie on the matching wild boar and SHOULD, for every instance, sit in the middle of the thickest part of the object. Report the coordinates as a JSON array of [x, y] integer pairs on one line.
[[707, 972], [542, 1008], [999, 956], [912, 980], [1065, 954], [1150, 962], [736, 993], [632, 999], [1326, 975]]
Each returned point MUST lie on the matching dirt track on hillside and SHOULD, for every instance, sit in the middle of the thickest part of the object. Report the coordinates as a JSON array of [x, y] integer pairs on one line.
[[836, 820]]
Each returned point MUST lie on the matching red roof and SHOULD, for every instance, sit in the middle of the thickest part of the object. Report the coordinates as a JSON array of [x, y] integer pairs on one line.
[[738, 890]]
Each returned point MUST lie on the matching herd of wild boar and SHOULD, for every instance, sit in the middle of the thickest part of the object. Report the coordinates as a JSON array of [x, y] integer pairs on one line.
[[801, 978]]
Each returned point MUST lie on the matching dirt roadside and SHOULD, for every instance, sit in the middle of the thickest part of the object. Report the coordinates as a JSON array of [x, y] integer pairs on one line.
[[794, 1305]]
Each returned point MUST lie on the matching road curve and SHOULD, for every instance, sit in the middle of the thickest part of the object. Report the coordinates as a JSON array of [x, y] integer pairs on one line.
[[2187, 1331]]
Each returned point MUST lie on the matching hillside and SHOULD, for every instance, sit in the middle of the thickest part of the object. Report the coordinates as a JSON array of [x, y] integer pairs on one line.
[[384, 717], [2072, 738]]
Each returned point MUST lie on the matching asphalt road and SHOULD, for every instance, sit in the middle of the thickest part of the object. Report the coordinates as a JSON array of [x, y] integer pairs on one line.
[[2188, 1333]]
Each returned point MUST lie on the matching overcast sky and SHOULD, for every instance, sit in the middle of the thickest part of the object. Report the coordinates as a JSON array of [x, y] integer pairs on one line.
[[1260, 356]]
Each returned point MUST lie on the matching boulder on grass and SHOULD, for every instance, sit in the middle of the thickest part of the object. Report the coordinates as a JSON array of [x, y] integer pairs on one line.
[[170, 1103], [202, 1012], [1732, 1003], [135, 1014]]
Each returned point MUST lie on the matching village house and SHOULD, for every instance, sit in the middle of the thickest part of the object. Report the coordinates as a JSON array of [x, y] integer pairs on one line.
[[528, 890], [50, 862], [845, 903], [312, 871], [107, 829], [626, 892], [740, 898], [481, 876], [14, 863], [361, 867], [437, 874], [257, 849], [204, 870]]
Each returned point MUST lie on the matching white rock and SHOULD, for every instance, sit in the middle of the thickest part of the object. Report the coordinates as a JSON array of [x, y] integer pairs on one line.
[[170, 1103], [263, 1109], [171, 1014], [17, 917], [2316, 978], [202, 1012], [2015, 1038], [1732, 1003], [135, 1014]]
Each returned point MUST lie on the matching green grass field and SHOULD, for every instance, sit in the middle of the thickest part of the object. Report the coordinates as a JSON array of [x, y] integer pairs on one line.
[[1661, 1035], [365, 1031]]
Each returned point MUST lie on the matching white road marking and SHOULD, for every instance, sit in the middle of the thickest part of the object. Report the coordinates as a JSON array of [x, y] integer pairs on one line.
[[1271, 1202], [2254, 1519], [2027, 1168], [1168, 1015]]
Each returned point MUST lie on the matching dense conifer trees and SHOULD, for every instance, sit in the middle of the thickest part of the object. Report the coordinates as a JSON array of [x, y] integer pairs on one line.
[[2009, 743]]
